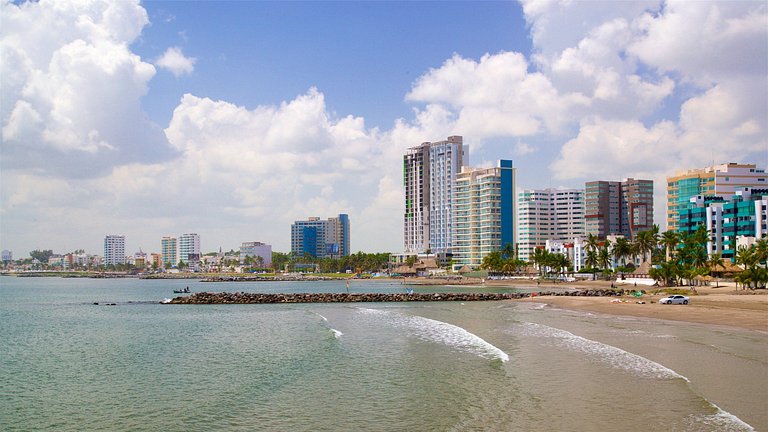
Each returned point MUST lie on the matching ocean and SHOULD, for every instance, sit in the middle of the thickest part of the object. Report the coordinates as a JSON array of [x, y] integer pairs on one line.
[[67, 364]]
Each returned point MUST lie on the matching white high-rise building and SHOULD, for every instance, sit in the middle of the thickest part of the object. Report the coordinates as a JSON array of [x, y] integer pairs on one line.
[[548, 214], [189, 248], [114, 250], [429, 175]]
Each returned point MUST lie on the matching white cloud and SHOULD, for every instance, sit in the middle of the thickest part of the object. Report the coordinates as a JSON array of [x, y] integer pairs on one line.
[[72, 97], [176, 62], [522, 149]]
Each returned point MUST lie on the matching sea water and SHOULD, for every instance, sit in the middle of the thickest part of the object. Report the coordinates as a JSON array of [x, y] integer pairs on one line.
[[69, 364]]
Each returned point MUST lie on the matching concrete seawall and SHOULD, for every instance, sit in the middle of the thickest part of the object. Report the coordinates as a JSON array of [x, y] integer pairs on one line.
[[259, 298]]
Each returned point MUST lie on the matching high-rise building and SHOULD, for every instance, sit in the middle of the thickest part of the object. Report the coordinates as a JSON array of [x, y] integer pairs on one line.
[[717, 180], [548, 214], [7, 256], [618, 208], [262, 253], [429, 173], [189, 248], [321, 238], [484, 213], [743, 214], [114, 250], [168, 250]]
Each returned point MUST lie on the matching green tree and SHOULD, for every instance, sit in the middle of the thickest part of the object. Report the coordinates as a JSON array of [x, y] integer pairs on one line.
[[621, 250], [669, 239]]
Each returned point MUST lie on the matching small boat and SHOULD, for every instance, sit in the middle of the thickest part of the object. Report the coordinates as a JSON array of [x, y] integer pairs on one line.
[[182, 291]]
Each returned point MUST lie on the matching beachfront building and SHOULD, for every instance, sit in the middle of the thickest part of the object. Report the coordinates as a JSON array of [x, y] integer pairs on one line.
[[260, 252], [548, 214], [728, 221], [574, 249], [169, 251], [189, 249], [114, 250], [429, 173], [7, 256], [722, 180], [321, 238], [618, 207], [484, 213]]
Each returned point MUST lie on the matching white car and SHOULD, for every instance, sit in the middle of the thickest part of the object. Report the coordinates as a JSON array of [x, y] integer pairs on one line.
[[674, 299]]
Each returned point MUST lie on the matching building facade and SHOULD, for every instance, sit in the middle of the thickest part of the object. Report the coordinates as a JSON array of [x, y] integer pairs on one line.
[[728, 221], [485, 213], [429, 174], [169, 251], [618, 208], [114, 250], [321, 238], [548, 214], [189, 248], [717, 180], [260, 252]]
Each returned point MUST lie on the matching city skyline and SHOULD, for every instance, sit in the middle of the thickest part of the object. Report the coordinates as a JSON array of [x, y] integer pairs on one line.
[[232, 120]]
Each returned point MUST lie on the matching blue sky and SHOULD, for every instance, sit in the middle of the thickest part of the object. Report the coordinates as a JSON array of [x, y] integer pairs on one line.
[[234, 119]]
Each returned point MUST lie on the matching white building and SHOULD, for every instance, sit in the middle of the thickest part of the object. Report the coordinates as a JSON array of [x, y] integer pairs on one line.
[[548, 214], [189, 248], [7, 256], [429, 173], [261, 252], [114, 250], [574, 249]]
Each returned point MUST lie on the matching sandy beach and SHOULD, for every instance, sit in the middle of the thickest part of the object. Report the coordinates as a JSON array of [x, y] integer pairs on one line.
[[723, 305]]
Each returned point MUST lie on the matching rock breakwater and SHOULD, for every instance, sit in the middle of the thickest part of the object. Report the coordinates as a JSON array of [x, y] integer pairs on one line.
[[260, 298]]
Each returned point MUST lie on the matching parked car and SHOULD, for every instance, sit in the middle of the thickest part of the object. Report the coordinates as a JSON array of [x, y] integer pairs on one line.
[[674, 299]]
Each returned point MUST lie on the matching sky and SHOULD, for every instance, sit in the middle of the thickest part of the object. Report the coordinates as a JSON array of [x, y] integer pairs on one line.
[[235, 119]]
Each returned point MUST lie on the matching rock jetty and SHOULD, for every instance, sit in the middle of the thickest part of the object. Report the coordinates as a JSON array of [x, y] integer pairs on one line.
[[260, 298]]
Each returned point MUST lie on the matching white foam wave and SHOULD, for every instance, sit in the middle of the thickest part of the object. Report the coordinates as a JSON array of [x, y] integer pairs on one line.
[[440, 332], [166, 301], [615, 357], [724, 421], [337, 334]]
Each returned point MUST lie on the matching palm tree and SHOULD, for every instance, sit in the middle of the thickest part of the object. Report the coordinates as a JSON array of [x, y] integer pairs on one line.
[[646, 242], [604, 258], [621, 250], [669, 239], [591, 260], [592, 243], [539, 258]]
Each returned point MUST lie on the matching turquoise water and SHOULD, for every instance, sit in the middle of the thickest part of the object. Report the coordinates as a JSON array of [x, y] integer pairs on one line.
[[67, 364]]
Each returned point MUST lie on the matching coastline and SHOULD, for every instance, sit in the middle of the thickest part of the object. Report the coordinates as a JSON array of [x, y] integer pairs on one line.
[[721, 306]]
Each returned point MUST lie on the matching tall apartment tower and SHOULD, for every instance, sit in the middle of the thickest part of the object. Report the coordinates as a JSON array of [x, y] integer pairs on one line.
[[618, 208], [321, 238], [717, 180], [548, 214], [168, 250], [429, 174], [484, 213], [114, 250], [189, 248]]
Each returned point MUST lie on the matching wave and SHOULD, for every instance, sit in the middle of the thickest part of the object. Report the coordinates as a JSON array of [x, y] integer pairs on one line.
[[615, 357], [337, 334], [438, 331], [724, 421], [633, 363]]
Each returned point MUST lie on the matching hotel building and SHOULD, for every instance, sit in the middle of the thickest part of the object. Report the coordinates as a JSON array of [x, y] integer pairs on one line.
[[168, 250], [743, 214], [548, 214], [321, 238], [717, 180], [484, 213], [114, 250], [618, 208], [429, 173]]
